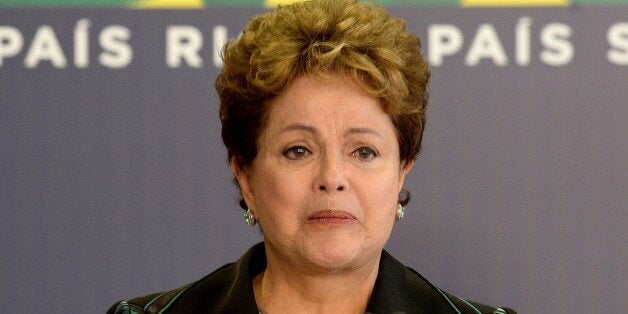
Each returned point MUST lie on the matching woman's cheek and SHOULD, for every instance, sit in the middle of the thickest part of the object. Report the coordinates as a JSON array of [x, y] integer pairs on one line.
[[280, 187]]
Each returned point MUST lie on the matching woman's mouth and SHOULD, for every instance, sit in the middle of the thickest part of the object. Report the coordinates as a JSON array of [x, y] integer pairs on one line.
[[331, 217]]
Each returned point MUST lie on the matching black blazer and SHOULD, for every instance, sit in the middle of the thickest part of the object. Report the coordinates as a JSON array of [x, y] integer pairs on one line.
[[229, 289]]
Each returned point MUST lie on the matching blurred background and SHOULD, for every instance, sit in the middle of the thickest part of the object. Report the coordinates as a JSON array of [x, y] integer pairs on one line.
[[114, 182]]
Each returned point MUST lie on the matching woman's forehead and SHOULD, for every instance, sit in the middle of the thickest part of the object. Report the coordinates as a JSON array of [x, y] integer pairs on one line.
[[319, 105]]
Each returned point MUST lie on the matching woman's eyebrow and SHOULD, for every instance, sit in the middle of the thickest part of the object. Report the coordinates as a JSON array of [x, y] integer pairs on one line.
[[300, 127], [314, 131], [362, 131]]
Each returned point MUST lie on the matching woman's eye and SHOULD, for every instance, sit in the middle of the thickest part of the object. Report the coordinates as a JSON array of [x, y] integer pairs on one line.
[[296, 152], [364, 153]]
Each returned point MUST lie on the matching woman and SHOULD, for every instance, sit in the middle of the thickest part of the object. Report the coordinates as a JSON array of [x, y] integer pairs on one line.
[[322, 108]]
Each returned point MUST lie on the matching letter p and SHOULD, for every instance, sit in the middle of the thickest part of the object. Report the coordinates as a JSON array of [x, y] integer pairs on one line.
[[443, 40], [11, 42]]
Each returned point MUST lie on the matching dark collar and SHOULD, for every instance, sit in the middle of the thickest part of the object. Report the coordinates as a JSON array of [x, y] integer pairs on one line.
[[397, 288], [229, 289]]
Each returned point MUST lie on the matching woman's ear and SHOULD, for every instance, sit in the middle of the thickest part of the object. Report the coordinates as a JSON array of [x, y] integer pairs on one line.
[[403, 171], [244, 182]]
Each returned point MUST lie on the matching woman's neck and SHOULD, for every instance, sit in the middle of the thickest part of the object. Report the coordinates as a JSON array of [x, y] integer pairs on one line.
[[281, 288]]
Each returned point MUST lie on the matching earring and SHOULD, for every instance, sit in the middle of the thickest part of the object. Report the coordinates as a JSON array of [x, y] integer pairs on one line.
[[401, 211], [249, 218]]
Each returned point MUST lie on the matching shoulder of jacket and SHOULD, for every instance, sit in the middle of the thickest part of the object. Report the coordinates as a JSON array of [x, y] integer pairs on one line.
[[466, 306], [157, 302], [462, 306], [153, 303]]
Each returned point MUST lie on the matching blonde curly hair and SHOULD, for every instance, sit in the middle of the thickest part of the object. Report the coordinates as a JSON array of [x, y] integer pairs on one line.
[[323, 37]]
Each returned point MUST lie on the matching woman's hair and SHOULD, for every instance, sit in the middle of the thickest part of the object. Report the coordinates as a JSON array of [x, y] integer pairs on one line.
[[323, 37]]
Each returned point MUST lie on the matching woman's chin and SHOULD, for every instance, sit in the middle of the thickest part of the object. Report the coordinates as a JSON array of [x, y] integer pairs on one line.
[[330, 253]]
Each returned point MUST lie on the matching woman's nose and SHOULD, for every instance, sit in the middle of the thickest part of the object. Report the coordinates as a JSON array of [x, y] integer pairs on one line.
[[331, 175], [339, 187]]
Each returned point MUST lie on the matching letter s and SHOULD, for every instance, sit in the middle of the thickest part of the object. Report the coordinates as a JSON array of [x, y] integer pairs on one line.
[[117, 52], [555, 36], [617, 37]]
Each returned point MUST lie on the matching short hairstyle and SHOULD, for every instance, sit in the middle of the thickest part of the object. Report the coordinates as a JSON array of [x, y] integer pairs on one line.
[[356, 39]]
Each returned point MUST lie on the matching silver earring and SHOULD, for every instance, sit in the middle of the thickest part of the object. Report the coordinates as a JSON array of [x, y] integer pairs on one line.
[[401, 211], [249, 218]]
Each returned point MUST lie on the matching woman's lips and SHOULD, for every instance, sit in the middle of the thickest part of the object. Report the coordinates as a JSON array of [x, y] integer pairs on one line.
[[331, 217]]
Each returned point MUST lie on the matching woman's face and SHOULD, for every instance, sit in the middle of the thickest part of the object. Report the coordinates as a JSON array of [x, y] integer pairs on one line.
[[325, 183]]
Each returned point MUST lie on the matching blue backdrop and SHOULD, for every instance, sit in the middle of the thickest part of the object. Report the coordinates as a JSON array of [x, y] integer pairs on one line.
[[114, 182]]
